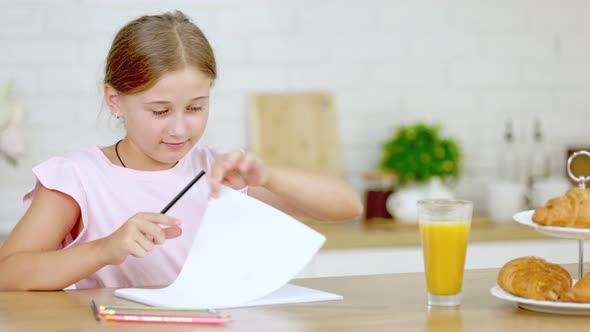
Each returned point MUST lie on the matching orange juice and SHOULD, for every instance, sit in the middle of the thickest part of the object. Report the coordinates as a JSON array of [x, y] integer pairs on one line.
[[444, 246]]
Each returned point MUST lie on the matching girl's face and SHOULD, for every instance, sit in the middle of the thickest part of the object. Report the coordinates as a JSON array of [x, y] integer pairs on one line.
[[166, 121]]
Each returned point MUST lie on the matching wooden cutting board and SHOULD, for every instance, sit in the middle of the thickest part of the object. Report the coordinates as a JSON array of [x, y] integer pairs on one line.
[[296, 130]]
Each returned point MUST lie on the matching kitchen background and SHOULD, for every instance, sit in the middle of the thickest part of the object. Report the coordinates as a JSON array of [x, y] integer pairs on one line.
[[468, 65]]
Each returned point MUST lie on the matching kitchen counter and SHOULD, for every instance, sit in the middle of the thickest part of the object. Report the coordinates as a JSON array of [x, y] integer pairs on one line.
[[379, 233]]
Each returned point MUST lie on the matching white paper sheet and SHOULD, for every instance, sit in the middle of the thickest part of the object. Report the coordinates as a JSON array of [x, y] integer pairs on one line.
[[244, 250]]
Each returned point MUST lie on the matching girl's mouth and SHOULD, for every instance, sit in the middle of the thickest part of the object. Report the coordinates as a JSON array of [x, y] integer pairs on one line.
[[174, 146]]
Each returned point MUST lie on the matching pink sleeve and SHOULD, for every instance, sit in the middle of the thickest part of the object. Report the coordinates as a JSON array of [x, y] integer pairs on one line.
[[215, 151], [59, 174]]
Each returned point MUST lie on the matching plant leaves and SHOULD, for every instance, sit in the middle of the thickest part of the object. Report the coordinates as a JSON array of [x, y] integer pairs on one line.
[[417, 153]]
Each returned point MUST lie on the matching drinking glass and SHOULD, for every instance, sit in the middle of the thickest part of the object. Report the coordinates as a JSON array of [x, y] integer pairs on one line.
[[444, 230]]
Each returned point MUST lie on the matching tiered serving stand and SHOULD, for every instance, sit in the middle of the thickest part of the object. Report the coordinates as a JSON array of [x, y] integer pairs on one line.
[[580, 234]]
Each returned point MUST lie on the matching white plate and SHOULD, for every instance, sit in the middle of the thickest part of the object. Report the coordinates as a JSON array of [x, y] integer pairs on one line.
[[525, 218], [562, 308]]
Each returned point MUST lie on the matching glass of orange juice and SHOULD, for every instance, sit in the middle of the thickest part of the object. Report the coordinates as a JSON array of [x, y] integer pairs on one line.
[[444, 230]]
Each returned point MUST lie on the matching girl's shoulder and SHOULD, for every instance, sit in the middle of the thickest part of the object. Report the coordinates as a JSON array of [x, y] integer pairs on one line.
[[89, 158], [64, 173], [82, 157], [92, 160], [92, 154]]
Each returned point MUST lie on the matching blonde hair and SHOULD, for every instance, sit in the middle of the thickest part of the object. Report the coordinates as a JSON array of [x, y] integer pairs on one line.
[[151, 46]]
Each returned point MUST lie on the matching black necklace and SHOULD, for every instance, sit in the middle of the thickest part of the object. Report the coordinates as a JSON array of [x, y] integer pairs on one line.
[[117, 152]]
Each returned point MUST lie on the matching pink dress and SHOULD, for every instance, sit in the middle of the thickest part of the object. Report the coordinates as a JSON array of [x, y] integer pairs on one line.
[[109, 194]]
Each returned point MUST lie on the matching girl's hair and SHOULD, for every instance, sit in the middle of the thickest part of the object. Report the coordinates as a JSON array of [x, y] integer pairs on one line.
[[151, 46]]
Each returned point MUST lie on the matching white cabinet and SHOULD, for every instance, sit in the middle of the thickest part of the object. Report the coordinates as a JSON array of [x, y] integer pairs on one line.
[[328, 263]]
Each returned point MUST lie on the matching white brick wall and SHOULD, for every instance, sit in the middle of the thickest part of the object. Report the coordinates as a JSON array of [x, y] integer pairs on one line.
[[469, 64]]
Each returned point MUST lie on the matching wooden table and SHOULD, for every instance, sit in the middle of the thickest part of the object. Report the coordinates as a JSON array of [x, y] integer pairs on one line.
[[394, 302], [383, 233]]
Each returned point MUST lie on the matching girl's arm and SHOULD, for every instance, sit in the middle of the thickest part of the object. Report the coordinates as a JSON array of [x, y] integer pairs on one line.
[[307, 194], [49, 270], [298, 193], [30, 258]]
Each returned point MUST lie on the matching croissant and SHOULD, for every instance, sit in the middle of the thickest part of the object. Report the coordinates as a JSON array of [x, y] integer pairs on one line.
[[580, 292], [534, 278], [571, 210]]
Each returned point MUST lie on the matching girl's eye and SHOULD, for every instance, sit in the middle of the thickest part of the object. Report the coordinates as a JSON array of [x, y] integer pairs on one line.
[[160, 112], [195, 108]]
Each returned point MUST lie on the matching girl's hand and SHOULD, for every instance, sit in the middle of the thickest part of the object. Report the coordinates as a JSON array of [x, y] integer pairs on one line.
[[138, 236], [237, 169]]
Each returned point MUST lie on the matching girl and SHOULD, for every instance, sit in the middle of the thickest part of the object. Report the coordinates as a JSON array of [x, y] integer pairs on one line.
[[82, 223]]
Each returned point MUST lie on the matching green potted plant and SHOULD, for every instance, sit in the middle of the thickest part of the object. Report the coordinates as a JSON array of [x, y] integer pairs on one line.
[[424, 162]]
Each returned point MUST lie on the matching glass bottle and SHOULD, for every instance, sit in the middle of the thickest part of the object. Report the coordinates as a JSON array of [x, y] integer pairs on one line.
[[538, 163], [508, 166]]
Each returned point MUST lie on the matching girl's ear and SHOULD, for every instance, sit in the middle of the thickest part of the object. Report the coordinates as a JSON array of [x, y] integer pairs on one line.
[[111, 97]]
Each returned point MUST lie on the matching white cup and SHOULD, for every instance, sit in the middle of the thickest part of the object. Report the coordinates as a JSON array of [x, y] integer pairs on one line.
[[548, 188], [504, 199]]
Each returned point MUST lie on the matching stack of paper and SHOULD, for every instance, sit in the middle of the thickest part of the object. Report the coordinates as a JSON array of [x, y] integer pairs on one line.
[[244, 254]]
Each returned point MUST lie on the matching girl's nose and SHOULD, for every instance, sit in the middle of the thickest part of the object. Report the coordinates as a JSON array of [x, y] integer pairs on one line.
[[178, 127]]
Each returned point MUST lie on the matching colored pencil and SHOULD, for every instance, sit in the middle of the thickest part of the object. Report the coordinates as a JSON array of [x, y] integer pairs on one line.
[[167, 319]]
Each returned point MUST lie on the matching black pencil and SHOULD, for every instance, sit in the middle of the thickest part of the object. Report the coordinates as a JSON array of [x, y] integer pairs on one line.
[[182, 192]]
